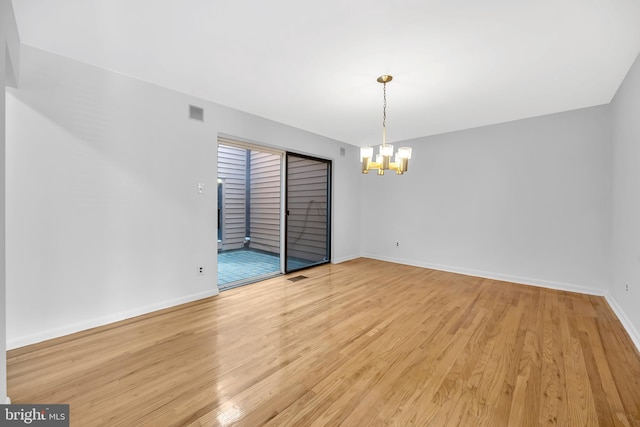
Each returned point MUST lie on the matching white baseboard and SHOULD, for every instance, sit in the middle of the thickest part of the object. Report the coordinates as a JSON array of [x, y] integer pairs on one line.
[[628, 326], [101, 321], [498, 276], [7, 400], [104, 320], [344, 259]]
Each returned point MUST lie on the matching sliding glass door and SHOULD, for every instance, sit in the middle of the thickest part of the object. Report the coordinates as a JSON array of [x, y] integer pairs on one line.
[[307, 211], [268, 225]]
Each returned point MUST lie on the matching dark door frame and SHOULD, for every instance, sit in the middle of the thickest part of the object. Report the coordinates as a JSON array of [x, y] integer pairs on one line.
[[329, 164]]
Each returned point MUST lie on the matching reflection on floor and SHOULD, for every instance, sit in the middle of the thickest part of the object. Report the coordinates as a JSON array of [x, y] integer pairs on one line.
[[243, 264]]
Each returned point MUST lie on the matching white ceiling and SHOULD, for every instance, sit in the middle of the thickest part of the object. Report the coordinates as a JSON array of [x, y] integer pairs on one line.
[[313, 65]]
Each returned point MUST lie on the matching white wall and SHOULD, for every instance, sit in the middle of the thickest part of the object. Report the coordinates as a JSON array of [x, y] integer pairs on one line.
[[525, 201], [9, 74], [3, 318], [103, 218], [625, 189]]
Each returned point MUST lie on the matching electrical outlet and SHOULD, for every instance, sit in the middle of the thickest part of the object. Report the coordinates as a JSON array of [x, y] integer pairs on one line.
[[397, 244], [626, 288], [200, 270]]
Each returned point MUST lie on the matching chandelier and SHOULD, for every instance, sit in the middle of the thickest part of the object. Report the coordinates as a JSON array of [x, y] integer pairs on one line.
[[383, 158]]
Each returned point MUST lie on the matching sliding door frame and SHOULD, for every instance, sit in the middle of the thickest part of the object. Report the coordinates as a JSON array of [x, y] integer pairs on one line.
[[329, 209]]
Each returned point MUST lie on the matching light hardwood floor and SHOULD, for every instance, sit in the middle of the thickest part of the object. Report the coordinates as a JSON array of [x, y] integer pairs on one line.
[[360, 343]]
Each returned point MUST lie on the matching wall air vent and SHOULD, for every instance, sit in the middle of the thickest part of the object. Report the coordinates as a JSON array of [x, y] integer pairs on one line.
[[196, 113]]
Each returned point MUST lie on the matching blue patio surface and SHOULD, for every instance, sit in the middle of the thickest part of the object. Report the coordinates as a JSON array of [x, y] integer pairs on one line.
[[244, 264]]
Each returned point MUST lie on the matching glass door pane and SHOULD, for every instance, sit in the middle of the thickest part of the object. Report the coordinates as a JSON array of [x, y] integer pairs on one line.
[[308, 211], [249, 198]]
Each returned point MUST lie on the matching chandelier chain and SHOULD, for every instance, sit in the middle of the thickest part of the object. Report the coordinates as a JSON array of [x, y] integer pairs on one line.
[[384, 105]]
